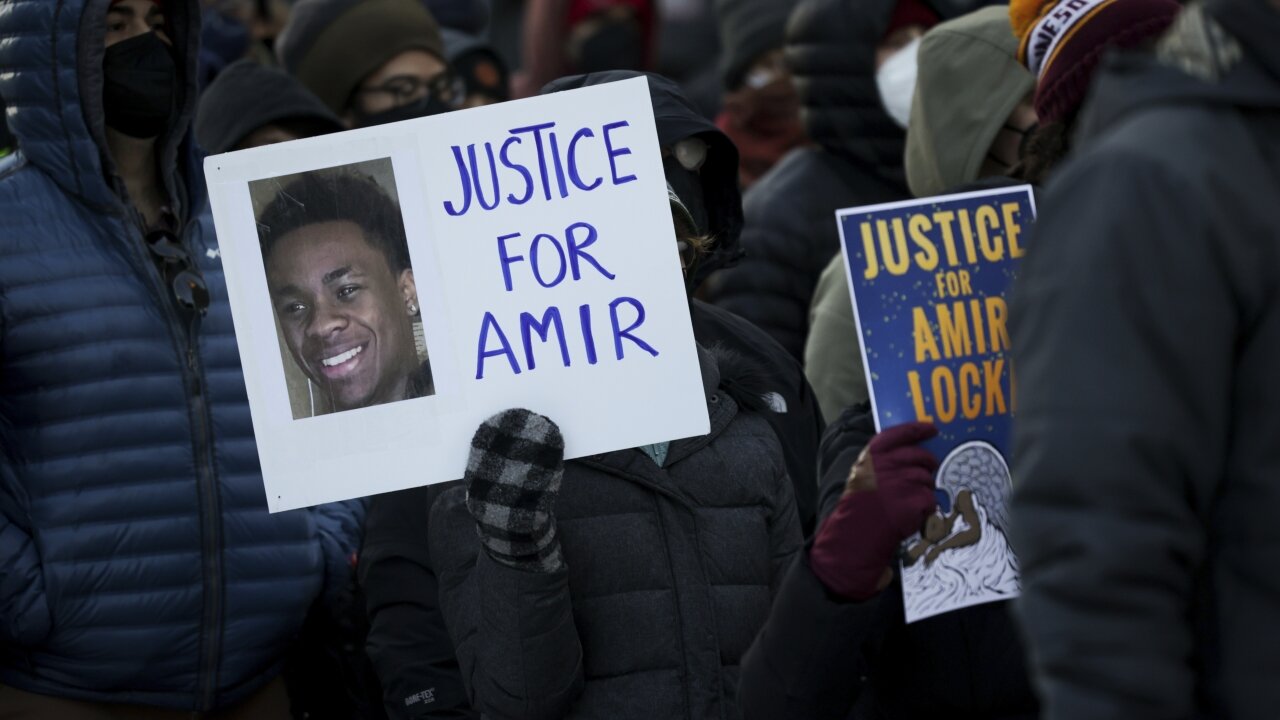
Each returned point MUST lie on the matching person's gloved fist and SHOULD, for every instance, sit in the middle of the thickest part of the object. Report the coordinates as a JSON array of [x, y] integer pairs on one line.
[[887, 498], [512, 478]]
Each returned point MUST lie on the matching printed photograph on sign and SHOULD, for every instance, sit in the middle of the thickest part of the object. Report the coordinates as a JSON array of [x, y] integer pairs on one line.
[[392, 287], [929, 280], [346, 303]]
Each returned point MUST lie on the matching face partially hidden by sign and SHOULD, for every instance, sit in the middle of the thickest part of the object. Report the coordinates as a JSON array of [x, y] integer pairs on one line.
[[346, 316]]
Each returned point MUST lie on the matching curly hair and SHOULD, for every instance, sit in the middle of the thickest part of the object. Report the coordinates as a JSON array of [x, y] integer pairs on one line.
[[1047, 147], [332, 195]]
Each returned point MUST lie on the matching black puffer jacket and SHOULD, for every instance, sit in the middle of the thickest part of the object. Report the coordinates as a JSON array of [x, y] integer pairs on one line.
[[670, 573], [1146, 327], [819, 657], [790, 233]]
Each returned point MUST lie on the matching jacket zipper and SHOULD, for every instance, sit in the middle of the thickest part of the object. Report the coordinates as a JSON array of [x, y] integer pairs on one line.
[[210, 524], [206, 480]]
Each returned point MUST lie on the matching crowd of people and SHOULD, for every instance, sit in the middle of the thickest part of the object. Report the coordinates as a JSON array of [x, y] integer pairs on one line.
[[748, 573]]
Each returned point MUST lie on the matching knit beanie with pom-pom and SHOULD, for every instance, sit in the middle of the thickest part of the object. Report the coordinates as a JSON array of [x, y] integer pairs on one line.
[[1061, 42]]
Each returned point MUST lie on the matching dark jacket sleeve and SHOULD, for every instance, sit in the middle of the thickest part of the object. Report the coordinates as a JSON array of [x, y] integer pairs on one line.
[[338, 526], [841, 444], [1125, 327], [517, 644], [808, 660], [408, 643]]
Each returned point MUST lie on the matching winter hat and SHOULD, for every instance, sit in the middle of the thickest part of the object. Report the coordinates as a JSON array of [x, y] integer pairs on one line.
[[332, 45], [247, 96], [1061, 42], [749, 29], [969, 82], [910, 12]]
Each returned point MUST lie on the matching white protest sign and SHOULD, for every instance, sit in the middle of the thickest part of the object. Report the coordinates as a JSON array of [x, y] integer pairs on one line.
[[541, 272]]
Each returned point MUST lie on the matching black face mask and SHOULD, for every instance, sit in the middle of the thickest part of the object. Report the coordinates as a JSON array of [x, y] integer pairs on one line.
[[138, 80], [422, 107]]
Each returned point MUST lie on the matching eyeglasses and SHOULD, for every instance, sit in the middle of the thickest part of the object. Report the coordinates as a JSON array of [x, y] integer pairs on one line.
[[407, 88], [189, 287]]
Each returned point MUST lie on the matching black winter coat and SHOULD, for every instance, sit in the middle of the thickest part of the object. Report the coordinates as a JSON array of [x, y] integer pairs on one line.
[[790, 233], [670, 573], [793, 410], [1146, 334], [822, 658]]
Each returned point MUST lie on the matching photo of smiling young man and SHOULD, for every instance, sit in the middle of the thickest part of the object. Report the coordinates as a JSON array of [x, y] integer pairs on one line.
[[342, 288]]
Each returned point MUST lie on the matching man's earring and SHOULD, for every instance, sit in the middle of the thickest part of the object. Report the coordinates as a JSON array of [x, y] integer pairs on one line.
[[413, 308]]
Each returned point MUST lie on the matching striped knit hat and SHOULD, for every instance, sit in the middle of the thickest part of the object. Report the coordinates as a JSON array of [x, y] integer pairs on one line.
[[1061, 42]]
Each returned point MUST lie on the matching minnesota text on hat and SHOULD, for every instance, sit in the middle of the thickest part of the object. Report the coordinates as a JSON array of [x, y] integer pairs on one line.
[[1039, 45]]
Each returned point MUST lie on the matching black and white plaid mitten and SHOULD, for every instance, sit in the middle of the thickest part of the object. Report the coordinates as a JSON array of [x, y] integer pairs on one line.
[[513, 476]]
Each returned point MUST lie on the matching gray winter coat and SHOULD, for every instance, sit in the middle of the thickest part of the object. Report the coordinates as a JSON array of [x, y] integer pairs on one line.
[[1146, 331], [670, 573]]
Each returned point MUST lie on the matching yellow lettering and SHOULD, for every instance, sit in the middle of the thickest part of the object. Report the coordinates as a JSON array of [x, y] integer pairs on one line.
[[971, 253], [992, 370], [926, 344], [944, 393], [988, 222], [894, 249], [1012, 229], [975, 315], [927, 257], [917, 397], [869, 249], [970, 399], [943, 220], [954, 328], [997, 313]]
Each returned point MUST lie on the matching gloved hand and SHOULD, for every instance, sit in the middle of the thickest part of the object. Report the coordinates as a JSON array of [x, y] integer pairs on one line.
[[887, 498], [512, 477]]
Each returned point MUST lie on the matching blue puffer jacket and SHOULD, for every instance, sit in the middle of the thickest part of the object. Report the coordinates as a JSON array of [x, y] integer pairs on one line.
[[138, 562]]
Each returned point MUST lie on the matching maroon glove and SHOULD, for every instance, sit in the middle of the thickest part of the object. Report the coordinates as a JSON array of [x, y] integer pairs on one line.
[[887, 499]]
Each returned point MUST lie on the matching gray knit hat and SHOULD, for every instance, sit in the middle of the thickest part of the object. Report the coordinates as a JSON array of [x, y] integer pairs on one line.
[[332, 45]]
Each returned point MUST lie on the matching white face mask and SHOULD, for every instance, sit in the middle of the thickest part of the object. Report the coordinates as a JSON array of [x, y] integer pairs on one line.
[[896, 80]]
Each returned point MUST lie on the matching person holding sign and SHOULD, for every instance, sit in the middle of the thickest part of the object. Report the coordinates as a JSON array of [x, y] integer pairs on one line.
[[622, 585], [839, 614]]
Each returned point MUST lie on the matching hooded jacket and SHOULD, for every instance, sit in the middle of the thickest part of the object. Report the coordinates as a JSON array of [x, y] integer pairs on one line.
[[795, 416], [247, 96], [1146, 328], [138, 562], [669, 573], [790, 232], [968, 84]]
